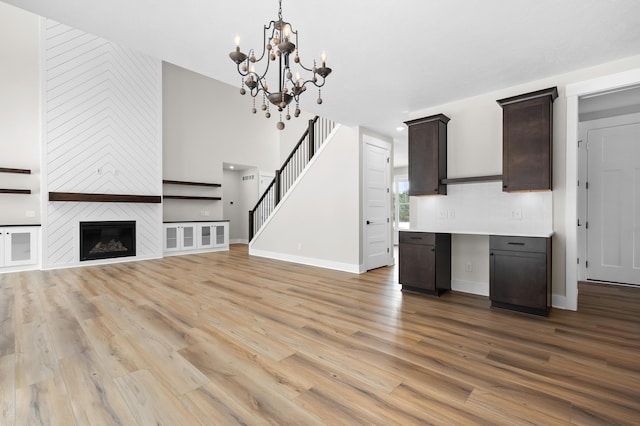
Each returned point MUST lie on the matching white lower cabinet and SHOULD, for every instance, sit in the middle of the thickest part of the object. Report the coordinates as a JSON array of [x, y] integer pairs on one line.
[[18, 247], [186, 237]]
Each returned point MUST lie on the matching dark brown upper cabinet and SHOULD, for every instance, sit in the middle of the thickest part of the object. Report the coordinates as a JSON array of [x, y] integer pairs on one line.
[[428, 155], [527, 141]]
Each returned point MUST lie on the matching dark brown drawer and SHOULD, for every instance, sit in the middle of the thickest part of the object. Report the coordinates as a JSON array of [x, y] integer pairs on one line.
[[427, 238], [528, 244]]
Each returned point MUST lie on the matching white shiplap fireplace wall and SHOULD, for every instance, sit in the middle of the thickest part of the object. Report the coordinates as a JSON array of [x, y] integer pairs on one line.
[[102, 134]]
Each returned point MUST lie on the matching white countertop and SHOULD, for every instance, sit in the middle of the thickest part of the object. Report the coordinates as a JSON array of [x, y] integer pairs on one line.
[[457, 232]]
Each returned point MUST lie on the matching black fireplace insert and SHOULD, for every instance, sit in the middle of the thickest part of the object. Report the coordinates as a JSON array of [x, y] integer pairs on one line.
[[109, 239]]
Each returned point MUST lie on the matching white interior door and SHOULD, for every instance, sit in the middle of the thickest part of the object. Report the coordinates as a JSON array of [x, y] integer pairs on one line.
[[377, 201], [613, 200]]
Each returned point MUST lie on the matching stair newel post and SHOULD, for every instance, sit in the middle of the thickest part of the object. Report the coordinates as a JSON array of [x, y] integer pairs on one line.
[[277, 188], [312, 142], [251, 230]]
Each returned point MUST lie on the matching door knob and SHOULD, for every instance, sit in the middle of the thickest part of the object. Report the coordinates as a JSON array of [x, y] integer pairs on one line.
[[369, 222]]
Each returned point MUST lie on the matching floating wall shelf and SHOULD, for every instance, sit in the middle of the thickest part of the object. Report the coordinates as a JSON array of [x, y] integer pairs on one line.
[[190, 197], [180, 182], [20, 171], [471, 179], [15, 191]]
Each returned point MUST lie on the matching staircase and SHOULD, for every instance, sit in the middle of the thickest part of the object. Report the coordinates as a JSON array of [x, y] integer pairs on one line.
[[312, 139]]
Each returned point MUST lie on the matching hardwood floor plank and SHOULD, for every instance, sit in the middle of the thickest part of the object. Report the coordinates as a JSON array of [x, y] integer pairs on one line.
[[150, 402], [95, 400], [212, 405], [227, 338], [117, 355], [7, 323], [44, 403], [35, 355], [28, 308], [8, 390]]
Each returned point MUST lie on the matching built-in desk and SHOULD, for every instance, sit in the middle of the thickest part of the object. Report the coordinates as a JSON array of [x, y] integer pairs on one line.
[[519, 267]]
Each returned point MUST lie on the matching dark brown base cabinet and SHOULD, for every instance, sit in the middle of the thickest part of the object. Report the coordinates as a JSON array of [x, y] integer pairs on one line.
[[520, 274], [425, 262]]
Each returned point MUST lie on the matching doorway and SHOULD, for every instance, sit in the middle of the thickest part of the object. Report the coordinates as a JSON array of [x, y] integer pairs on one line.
[[377, 204], [576, 93], [609, 166]]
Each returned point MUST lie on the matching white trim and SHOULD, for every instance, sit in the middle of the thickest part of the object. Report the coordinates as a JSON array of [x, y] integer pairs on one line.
[[321, 263], [573, 92], [471, 287], [559, 301], [195, 251], [239, 241]]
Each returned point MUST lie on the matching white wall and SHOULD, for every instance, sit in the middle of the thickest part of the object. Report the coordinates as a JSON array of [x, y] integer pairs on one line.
[[475, 149], [19, 114], [318, 221], [206, 123], [102, 110]]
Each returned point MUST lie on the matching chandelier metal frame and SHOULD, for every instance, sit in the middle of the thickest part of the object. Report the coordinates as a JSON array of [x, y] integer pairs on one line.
[[280, 41]]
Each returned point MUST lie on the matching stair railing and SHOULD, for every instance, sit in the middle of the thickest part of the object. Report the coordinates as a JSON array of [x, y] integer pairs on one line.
[[310, 141]]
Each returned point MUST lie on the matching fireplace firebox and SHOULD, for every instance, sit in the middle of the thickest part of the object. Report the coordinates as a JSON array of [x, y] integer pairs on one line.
[[105, 240]]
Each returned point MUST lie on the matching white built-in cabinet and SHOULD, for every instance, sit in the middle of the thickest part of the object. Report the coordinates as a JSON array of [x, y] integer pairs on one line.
[[18, 247], [189, 237]]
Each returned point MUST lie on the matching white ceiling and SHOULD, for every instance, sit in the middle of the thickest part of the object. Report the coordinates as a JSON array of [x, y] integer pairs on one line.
[[388, 57]]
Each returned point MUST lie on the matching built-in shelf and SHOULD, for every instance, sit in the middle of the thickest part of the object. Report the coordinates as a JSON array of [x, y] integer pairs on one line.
[[191, 197], [104, 198], [471, 179], [20, 171], [15, 191], [180, 182]]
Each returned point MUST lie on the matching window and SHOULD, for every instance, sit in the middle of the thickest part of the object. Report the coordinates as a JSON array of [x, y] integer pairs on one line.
[[402, 201]]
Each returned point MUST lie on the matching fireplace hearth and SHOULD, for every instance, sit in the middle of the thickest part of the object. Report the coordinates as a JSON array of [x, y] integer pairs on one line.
[[107, 239]]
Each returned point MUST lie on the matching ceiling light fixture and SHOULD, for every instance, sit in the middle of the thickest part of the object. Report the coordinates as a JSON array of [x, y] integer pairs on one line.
[[280, 41]]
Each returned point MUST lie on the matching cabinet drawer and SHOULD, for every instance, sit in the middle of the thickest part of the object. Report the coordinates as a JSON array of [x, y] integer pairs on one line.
[[528, 244], [428, 238]]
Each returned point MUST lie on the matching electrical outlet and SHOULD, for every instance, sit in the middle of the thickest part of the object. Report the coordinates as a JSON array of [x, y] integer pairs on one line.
[[442, 215], [516, 213], [451, 214], [468, 267], [30, 213]]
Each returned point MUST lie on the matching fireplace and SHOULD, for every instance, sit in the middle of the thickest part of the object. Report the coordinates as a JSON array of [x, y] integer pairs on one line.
[[105, 240]]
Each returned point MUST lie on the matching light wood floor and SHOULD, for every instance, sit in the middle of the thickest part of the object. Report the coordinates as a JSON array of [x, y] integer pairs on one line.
[[223, 339]]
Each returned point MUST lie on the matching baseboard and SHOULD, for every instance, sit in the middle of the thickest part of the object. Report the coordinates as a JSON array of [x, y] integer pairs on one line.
[[471, 287], [239, 241], [320, 263], [559, 301]]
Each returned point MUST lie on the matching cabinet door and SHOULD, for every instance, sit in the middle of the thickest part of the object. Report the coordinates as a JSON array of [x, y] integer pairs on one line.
[[221, 235], [527, 141], [171, 237], [417, 266], [20, 246], [205, 236], [189, 240], [518, 278], [428, 155]]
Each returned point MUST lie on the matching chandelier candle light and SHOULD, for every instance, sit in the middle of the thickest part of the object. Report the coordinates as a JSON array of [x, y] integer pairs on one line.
[[280, 41]]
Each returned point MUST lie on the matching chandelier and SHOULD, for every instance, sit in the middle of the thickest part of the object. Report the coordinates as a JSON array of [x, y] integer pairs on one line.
[[279, 43]]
